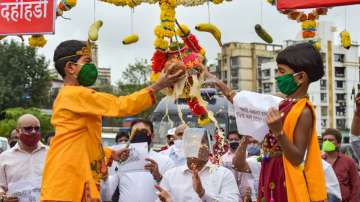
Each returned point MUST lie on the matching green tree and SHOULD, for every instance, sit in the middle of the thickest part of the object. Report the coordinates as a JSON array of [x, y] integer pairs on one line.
[[137, 73], [136, 77], [24, 78], [10, 116]]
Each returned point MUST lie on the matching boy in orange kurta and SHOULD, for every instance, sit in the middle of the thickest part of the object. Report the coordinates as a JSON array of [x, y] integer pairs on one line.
[[76, 160]]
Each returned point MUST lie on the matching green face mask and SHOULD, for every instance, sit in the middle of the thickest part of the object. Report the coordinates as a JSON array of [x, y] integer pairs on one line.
[[87, 75], [328, 146], [286, 84]]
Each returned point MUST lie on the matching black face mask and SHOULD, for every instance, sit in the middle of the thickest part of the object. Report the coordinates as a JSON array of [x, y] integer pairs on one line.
[[171, 143], [141, 136], [234, 145]]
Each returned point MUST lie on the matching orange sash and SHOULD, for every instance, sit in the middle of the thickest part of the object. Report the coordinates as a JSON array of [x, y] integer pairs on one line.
[[304, 183]]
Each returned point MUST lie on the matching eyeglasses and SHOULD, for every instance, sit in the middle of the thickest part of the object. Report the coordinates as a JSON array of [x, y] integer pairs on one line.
[[29, 129]]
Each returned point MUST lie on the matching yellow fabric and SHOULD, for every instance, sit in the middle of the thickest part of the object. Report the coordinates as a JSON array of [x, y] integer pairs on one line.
[[304, 183], [76, 155]]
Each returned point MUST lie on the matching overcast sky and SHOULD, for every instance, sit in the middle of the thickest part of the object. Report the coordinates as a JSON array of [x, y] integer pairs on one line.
[[235, 19]]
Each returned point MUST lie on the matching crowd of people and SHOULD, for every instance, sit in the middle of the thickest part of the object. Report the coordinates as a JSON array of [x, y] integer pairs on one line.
[[288, 165]]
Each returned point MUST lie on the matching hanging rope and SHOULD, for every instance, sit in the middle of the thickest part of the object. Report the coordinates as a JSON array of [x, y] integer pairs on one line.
[[132, 20], [208, 7], [261, 12], [178, 47], [94, 14], [345, 18]]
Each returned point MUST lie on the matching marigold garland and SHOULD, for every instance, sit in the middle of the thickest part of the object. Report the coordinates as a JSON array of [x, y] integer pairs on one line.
[[217, 1], [37, 41], [161, 44]]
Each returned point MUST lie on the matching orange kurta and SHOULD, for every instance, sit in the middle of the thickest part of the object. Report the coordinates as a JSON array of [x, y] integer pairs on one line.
[[307, 183], [76, 155]]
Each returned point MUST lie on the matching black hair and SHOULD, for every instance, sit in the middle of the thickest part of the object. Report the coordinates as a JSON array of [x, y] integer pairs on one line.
[[332, 131], [67, 48], [303, 57], [144, 121], [233, 132], [120, 135]]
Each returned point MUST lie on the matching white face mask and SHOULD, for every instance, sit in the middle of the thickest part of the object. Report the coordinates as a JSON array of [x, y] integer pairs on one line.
[[178, 144]]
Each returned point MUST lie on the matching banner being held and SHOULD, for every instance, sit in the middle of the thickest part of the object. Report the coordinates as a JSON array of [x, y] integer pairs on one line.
[[27, 17], [299, 4], [250, 112]]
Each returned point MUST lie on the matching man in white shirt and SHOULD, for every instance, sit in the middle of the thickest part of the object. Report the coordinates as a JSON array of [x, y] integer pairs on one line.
[[242, 179], [175, 152], [199, 180], [21, 167], [138, 186]]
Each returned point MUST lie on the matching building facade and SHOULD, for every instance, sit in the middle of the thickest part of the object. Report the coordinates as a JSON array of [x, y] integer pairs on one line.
[[104, 76], [239, 64]]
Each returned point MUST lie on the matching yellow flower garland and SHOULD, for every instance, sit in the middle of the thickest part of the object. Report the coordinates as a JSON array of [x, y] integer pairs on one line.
[[161, 33], [166, 29], [37, 41], [204, 121], [217, 1], [161, 44]]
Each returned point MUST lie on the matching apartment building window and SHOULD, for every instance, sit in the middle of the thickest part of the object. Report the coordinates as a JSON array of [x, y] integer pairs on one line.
[[341, 123], [340, 97], [262, 60], [234, 73], [340, 84], [323, 84], [324, 123], [267, 87], [234, 84], [224, 60], [225, 74], [266, 73], [340, 111], [323, 97], [259, 74], [339, 72], [234, 61], [339, 57], [324, 111]]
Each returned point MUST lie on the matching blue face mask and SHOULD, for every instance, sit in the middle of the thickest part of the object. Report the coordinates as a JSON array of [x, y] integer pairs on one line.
[[253, 149]]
